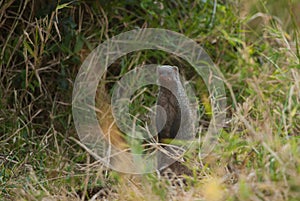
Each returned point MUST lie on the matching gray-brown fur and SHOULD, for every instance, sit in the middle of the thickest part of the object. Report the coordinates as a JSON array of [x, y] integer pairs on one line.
[[173, 99]]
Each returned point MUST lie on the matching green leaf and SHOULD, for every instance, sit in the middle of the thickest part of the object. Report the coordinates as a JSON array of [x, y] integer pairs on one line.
[[79, 43], [28, 48]]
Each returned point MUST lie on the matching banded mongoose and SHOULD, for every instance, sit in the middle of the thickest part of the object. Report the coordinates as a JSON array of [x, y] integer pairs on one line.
[[174, 101]]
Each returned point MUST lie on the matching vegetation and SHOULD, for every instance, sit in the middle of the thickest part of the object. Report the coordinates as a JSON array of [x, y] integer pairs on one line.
[[254, 44]]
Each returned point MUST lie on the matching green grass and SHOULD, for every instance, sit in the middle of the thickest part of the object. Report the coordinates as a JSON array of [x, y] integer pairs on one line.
[[43, 45]]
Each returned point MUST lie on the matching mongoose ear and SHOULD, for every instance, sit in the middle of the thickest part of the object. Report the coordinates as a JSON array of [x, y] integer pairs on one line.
[[175, 68]]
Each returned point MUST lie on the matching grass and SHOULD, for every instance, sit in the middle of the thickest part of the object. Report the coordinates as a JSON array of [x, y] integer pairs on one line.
[[255, 46]]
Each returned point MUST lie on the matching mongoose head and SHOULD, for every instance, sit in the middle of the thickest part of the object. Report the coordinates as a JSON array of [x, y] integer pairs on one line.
[[168, 75]]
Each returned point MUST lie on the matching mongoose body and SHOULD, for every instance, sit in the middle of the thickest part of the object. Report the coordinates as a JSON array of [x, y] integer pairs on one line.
[[177, 121], [173, 99]]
